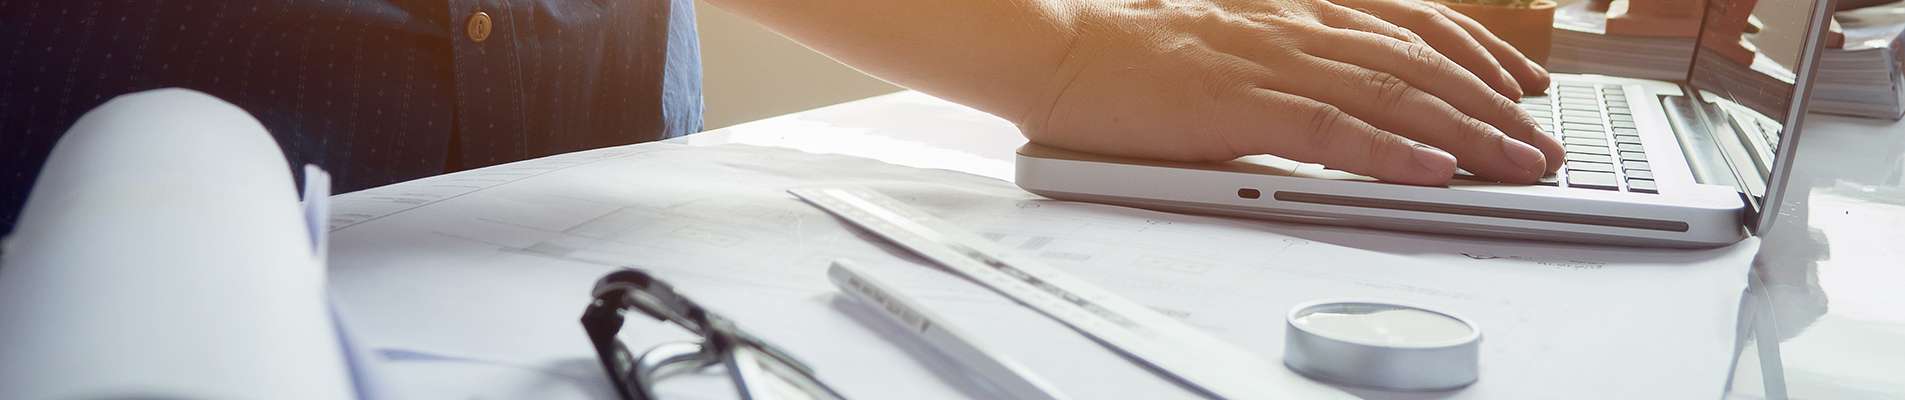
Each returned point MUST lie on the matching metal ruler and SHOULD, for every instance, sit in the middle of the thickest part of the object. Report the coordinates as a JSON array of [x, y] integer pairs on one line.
[[1165, 346]]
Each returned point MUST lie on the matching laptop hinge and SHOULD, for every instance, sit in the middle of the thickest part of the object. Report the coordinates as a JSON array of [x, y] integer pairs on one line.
[[1703, 153], [1715, 154], [1750, 214]]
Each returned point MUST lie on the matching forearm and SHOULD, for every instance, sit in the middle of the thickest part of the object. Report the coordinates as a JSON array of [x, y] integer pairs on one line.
[[1323, 81], [998, 56]]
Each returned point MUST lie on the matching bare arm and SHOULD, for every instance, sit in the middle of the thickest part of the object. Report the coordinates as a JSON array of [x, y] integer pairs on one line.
[[1335, 83], [994, 55]]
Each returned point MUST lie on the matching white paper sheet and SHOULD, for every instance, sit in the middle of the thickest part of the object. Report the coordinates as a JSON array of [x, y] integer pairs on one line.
[[496, 265], [162, 255]]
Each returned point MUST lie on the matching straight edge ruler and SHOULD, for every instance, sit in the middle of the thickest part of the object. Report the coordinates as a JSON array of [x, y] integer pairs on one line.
[[1170, 348]]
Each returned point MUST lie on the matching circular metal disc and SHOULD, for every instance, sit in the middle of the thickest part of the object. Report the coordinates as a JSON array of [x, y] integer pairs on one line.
[[1381, 345]]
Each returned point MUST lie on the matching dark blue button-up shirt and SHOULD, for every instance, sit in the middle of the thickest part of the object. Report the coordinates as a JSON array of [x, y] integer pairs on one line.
[[375, 91]]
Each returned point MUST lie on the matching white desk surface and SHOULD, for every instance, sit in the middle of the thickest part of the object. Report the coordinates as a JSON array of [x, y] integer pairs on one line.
[[1825, 283]]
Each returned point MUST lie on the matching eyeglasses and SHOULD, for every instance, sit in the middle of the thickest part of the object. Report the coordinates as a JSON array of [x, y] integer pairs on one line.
[[759, 370]]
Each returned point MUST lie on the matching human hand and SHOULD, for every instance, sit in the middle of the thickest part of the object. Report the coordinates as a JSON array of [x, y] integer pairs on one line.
[[1356, 85]]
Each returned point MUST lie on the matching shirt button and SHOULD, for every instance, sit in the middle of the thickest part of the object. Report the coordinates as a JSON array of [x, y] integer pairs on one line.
[[479, 27]]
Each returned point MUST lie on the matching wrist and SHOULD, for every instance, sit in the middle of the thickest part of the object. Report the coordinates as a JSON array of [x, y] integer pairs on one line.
[[1066, 58]]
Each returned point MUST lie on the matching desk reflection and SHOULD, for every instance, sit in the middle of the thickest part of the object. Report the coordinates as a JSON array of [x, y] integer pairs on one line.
[[1818, 324]]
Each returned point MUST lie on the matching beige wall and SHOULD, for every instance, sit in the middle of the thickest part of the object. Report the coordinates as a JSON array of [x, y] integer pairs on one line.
[[749, 72]]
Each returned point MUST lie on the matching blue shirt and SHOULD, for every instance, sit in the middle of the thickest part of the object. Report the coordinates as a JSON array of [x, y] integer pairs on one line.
[[375, 91]]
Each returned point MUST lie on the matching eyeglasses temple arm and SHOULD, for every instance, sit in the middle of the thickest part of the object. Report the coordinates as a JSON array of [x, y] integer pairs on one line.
[[602, 321]]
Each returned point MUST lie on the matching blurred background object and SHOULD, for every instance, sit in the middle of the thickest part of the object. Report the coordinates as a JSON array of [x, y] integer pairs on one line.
[[1525, 24], [1655, 18], [749, 72], [1863, 75]]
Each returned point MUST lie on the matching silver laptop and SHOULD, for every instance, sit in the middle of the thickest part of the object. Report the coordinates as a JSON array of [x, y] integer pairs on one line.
[[1649, 163]]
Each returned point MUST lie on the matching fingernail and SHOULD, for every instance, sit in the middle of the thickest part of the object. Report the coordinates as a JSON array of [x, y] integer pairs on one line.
[[1529, 158], [1435, 160]]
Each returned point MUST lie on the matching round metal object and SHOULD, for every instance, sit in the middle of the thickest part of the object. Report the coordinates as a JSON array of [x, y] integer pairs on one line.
[[479, 27], [1381, 345]]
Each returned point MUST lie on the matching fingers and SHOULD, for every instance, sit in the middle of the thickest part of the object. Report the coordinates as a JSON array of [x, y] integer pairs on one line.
[[1424, 68], [1533, 78], [1302, 129], [1452, 40], [1346, 18], [1391, 104]]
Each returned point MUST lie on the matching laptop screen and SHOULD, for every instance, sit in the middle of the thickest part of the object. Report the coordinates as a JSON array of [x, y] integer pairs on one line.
[[1749, 57]]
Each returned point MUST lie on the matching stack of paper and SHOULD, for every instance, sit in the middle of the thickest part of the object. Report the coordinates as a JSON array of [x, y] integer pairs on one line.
[[1764, 86], [1582, 46], [1863, 79]]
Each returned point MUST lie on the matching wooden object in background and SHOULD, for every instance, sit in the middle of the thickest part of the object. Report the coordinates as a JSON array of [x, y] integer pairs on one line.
[[1655, 18], [1529, 28], [1727, 21]]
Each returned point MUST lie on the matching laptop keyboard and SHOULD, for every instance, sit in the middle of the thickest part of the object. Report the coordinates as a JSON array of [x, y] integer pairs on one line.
[[1596, 126]]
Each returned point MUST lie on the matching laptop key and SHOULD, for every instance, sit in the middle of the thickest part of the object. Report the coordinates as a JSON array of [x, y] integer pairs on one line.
[[1629, 147], [1592, 180], [1599, 158], [1626, 131], [1632, 165], [1629, 155], [1627, 139], [1576, 148], [1640, 173], [1642, 186], [1576, 125], [1620, 118], [1616, 103], [1596, 121], [1549, 180], [1620, 110], [1580, 133], [1586, 141], [1590, 166]]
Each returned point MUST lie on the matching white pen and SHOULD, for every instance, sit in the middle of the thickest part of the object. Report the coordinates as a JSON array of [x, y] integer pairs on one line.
[[1007, 377]]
